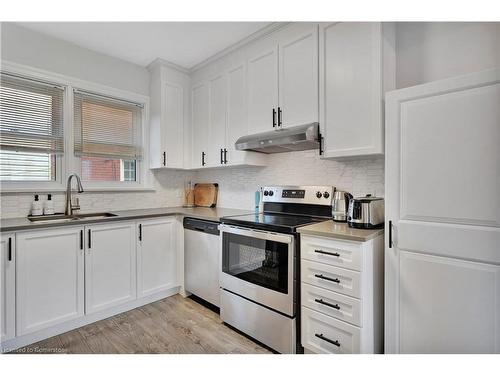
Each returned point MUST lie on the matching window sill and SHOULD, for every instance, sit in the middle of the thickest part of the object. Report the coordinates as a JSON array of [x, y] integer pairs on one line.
[[8, 191]]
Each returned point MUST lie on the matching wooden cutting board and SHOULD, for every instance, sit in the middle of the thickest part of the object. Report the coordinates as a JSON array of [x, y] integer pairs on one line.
[[205, 195]]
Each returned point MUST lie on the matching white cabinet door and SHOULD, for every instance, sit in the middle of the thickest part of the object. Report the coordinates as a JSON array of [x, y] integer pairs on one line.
[[7, 286], [110, 265], [156, 256], [173, 134], [298, 78], [262, 78], [200, 122], [448, 305], [49, 278], [237, 125], [351, 88], [217, 120], [443, 141]]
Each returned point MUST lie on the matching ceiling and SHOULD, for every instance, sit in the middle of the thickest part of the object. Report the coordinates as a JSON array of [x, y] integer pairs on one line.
[[182, 43]]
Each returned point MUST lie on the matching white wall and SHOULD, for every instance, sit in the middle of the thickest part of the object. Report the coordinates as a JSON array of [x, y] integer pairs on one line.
[[27, 47], [428, 51], [37, 50]]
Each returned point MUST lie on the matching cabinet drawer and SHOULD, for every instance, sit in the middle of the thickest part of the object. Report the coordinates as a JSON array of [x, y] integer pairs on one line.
[[323, 334], [336, 253], [332, 304], [332, 278]]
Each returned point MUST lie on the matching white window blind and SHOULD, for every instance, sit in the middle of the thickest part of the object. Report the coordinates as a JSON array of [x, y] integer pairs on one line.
[[31, 116], [106, 127]]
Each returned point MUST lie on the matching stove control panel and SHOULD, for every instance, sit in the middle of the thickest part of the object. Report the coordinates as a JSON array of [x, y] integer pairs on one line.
[[321, 195]]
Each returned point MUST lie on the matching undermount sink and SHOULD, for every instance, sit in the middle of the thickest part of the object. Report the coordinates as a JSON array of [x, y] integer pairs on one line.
[[62, 218]]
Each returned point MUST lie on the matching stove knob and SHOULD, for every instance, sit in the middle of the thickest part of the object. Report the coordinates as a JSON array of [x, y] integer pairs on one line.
[[266, 193], [326, 194], [271, 193], [318, 194]]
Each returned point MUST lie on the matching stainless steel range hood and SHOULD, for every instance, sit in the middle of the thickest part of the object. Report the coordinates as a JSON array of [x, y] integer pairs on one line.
[[296, 138]]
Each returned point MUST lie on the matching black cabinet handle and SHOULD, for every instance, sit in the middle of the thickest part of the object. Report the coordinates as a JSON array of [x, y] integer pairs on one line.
[[81, 239], [274, 118], [327, 253], [390, 234], [10, 250], [320, 139], [336, 306], [140, 232], [225, 156], [202, 158], [164, 158], [322, 337], [221, 156], [90, 239], [279, 118], [327, 278]]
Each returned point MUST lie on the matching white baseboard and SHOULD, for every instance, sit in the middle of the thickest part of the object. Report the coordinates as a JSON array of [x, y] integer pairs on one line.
[[43, 334]]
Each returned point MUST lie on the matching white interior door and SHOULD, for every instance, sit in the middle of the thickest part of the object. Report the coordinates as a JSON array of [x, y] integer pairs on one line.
[[262, 90], [200, 122], [217, 119], [174, 125], [298, 78], [7, 286], [442, 184], [156, 256], [49, 278], [110, 265]]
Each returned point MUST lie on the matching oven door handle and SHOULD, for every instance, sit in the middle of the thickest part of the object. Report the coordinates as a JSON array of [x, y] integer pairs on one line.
[[254, 233]]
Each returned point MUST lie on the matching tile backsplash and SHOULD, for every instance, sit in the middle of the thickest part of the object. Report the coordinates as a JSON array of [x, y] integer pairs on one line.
[[236, 185]]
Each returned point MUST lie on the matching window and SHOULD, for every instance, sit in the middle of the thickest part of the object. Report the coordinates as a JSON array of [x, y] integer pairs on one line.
[[31, 129], [107, 137]]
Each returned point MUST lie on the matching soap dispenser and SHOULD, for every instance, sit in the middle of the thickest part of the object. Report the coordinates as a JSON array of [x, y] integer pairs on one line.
[[48, 206], [36, 207]]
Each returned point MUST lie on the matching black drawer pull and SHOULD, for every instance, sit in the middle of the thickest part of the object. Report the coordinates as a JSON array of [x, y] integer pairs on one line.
[[140, 232], [90, 239], [164, 158], [81, 239], [327, 304], [327, 278], [327, 253], [274, 118], [320, 336], [10, 249]]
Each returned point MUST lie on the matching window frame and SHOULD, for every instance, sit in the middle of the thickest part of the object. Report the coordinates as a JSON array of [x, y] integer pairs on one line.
[[68, 163]]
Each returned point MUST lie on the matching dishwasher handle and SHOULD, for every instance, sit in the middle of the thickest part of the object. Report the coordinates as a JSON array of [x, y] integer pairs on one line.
[[205, 226]]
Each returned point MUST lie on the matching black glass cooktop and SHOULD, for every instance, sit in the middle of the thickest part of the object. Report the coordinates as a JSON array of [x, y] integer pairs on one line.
[[271, 221]]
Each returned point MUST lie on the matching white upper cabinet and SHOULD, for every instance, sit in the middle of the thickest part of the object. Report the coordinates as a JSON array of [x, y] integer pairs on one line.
[[298, 77], [156, 256], [169, 92], [49, 278], [110, 265], [283, 80], [7, 286], [200, 107], [263, 90], [356, 67], [217, 120]]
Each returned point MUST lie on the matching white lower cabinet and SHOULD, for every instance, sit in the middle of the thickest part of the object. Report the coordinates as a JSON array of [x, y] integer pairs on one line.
[[341, 308], [156, 256], [110, 265], [49, 278], [7, 286]]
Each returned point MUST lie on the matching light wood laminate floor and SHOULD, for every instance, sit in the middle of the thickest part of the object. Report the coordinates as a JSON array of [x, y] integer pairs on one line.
[[173, 325]]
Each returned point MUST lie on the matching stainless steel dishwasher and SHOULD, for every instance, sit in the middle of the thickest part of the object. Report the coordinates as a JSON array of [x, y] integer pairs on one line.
[[202, 259]]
